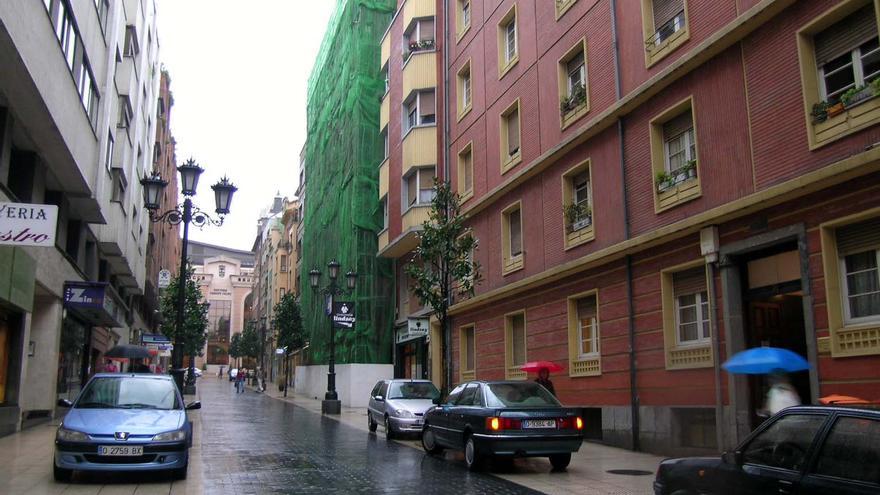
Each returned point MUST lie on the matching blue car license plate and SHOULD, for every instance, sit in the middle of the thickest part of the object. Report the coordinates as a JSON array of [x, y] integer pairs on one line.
[[120, 450], [539, 423]]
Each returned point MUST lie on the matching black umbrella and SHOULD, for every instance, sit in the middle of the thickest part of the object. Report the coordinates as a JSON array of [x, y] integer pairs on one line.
[[128, 351]]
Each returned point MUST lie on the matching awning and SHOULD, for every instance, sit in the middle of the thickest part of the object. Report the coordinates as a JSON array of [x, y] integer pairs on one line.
[[93, 302]]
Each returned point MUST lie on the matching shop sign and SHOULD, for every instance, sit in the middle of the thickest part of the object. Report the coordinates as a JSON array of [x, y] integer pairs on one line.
[[343, 314], [24, 224], [164, 279], [416, 328], [92, 301], [154, 338]]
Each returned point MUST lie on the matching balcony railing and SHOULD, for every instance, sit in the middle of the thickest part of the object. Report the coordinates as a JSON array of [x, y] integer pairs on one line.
[[663, 33], [418, 46]]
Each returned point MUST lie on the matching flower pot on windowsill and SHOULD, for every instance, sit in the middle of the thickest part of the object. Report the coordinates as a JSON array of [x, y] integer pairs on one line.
[[835, 109], [581, 224], [664, 186], [851, 99]]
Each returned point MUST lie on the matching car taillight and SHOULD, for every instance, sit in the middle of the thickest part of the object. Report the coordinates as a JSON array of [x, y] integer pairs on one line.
[[575, 423], [498, 424]]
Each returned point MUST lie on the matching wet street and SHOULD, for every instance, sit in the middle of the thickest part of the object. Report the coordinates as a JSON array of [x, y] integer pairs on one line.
[[251, 443]]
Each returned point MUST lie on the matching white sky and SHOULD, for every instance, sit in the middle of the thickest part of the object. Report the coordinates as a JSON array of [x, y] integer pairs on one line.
[[239, 74]]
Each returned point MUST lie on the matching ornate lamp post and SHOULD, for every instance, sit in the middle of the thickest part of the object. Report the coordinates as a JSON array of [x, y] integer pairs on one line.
[[186, 214], [331, 403]]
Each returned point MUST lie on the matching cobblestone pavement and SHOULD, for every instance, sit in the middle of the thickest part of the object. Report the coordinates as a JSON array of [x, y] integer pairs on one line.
[[251, 443]]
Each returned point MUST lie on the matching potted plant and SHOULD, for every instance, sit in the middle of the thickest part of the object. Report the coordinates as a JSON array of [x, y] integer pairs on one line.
[[577, 216], [690, 168], [572, 101], [856, 95], [664, 180], [820, 112], [835, 109]]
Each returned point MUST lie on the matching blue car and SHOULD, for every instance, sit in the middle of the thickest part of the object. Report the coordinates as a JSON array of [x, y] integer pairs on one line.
[[125, 422]]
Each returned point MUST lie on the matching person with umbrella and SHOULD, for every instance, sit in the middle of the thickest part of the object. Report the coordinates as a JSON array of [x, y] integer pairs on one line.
[[544, 379], [781, 393], [775, 362], [543, 368]]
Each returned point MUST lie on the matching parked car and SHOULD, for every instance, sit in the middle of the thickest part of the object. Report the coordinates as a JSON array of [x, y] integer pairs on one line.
[[807, 450], [504, 419], [400, 405], [124, 423]]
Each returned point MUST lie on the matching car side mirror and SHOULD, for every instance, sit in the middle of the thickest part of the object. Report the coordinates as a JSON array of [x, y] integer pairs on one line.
[[379, 398], [64, 403], [733, 458], [194, 405]]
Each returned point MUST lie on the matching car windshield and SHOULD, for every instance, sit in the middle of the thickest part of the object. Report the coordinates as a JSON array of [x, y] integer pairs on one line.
[[413, 390], [128, 392], [524, 394]]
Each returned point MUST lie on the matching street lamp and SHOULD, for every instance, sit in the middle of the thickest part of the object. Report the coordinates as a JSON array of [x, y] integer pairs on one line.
[[331, 404], [186, 214], [262, 351]]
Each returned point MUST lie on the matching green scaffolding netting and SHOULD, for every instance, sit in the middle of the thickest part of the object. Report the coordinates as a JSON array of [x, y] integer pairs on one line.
[[342, 210]]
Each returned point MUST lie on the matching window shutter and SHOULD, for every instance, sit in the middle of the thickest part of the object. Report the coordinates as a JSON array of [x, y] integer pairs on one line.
[[515, 233], [427, 104], [426, 30], [689, 281], [678, 125], [468, 172], [665, 10], [846, 34], [858, 237], [426, 178], [469, 348], [513, 132], [411, 189], [586, 307], [517, 327]]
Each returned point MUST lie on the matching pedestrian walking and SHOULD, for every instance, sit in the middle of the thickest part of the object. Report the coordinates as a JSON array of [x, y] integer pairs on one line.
[[239, 382], [544, 379], [781, 394]]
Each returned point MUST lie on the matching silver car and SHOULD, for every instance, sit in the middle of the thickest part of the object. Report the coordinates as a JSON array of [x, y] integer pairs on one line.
[[400, 405]]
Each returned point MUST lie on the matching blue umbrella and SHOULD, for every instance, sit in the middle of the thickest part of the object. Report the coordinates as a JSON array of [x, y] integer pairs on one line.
[[763, 360]]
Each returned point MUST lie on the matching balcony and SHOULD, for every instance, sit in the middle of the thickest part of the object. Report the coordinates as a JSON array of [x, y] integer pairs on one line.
[[383, 179], [383, 239], [415, 217], [411, 221], [386, 49], [384, 112], [419, 71], [416, 9], [419, 148]]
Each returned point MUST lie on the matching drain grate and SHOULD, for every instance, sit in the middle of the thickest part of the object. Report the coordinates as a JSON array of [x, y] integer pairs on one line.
[[630, 472]]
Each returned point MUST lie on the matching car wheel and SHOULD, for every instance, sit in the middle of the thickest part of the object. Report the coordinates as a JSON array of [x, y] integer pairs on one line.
[[61, 475], [429, 441], [370, 423], [180, 473], [389, 430], [560, 461], [472, 456]]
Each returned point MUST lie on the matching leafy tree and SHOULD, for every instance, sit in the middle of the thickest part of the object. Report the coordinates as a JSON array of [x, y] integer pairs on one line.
[[249, 345], [235, 346], [287, 320], [192, 335], [443, 265]]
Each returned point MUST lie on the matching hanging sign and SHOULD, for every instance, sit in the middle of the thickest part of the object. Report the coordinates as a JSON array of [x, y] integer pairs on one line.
[[343, 314], [164, 279], [24, 224]]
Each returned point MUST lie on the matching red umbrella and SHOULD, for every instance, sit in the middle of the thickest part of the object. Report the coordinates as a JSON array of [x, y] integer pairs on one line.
[[535, 366]]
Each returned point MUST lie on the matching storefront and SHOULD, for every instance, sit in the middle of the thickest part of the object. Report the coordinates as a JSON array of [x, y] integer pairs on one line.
[[411, 350]]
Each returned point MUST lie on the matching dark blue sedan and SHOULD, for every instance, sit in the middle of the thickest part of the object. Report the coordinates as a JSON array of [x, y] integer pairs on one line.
[[124, 422], [503, 419]]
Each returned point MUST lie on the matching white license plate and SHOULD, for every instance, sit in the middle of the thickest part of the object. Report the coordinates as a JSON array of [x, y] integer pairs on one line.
[[120, 450], [539, 423]]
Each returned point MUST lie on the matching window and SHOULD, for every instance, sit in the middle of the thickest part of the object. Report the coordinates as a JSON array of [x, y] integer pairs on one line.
[[130, 48], [384, 205], [103, 7], [785, 443], [464, 90], [674, 156], [562, 7], [583, 335], [470, 396], [119, 186], [385, 78], [108, 156], [468, 353], [668, 17], [665, 28], [419, 109], [680, 147], [419, 37], [858, 246], [691, 306], [284, 267], [848, 54], [512, 238], [508, 39], [577, 209], [419, 187], [850, 451], [125, 112], [466, 171], [587, 330], [515, 337], [463, 21], [385, 144], [510, 137], [573, 102]]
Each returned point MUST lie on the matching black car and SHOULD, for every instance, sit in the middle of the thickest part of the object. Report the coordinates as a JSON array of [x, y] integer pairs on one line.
[[804, 450], [505, 419]]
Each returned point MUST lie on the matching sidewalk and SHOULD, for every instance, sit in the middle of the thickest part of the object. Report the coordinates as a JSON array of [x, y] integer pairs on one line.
[[587, 473]]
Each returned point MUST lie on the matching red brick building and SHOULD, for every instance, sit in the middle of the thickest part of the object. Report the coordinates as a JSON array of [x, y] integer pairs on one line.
[[163, 244], [657, 184]]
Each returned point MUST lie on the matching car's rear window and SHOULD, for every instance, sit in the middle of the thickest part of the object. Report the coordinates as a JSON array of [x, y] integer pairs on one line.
[[126, 392], [413, 390], [525, 394]]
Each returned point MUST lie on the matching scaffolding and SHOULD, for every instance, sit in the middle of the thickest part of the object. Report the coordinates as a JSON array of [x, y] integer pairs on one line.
[[343, 215]]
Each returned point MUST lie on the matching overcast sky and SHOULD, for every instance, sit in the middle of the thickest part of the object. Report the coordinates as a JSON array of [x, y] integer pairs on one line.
[[239, 73]]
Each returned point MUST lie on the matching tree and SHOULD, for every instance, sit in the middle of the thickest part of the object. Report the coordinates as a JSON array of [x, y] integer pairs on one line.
[[235, 347], [287, 320], [443, 264], [192, 335], [249, 345]]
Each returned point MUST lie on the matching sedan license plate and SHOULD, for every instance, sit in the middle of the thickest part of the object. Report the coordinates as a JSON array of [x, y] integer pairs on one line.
[[539, 423], [121, 450]]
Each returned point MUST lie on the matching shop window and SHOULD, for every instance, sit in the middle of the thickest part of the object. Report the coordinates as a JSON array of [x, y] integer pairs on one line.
[[665, 27], [466, 172], [573, 90], [418, 187], [674, 156], [462, 17], [468, 353], [510, 137], [515, 340], [686, 317], [583, 335], [464, 90], [577, 205], [511, 231], [508, 42]]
